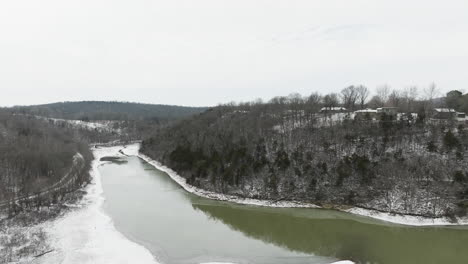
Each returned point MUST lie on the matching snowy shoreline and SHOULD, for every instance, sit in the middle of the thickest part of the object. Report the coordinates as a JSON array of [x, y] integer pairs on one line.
[[133, 150], [86, 234]]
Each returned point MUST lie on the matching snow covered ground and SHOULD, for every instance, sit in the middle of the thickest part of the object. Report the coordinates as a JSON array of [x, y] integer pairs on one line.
[[407, 219], [20, 241], [101, 126]]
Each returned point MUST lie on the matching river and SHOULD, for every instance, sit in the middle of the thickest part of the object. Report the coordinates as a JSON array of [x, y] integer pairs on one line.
[[178, 227]]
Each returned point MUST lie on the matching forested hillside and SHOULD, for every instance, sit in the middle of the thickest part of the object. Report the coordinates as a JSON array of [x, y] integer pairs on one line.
[[286, 149], [39, 161], [97, 110]]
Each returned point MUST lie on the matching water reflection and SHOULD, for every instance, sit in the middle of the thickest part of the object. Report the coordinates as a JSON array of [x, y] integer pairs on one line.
[[343, 238]]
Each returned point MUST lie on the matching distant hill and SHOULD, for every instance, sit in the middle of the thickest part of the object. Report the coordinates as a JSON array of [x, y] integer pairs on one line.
[[99, 110]]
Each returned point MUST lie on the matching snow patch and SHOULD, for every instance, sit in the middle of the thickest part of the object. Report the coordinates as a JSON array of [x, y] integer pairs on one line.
[[101, 126], [407, 219]]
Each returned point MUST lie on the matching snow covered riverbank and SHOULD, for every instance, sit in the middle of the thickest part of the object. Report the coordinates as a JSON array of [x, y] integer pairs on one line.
[[133, 150], [87, 234], [407, 219]]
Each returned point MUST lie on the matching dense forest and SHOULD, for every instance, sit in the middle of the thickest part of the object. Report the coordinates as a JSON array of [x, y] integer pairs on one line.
[[97, 110], [115, 120], [287, 149], [39, 162]]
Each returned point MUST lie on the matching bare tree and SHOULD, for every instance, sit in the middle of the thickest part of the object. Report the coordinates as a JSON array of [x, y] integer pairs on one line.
[[409, 95], [349, 96], [330, 100], [383, 92], [314, 99], [296, 103], [429, 94], [394, 98], [362, 94], [376, 102], [295, 98]]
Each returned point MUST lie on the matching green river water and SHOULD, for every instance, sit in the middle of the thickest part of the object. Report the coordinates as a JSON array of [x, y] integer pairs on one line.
[[178, 227]]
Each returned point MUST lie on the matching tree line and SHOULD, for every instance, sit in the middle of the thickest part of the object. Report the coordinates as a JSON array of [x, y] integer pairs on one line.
[[103, 110]]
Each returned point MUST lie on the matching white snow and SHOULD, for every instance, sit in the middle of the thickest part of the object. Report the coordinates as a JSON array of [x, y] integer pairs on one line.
[[368, 110], [333, 108], [445, 110], [87, 234], [101, 126], [407, 219]]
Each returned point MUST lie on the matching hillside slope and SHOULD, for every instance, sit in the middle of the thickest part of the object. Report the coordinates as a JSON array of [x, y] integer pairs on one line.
[[284, 151], [36, 155], [99, 110]]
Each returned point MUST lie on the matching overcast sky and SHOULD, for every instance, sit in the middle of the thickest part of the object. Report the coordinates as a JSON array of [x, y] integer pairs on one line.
[[204, 52]]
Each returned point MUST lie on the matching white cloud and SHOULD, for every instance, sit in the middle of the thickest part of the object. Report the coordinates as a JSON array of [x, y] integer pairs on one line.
[[204, 52]]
